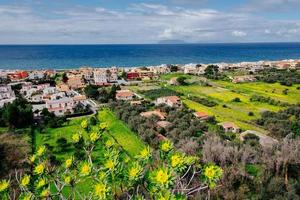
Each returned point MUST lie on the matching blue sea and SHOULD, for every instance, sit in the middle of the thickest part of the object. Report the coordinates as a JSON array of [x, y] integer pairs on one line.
[[73, 56]]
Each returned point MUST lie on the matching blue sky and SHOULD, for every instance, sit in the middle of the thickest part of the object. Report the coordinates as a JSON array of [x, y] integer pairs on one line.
[[138, 21]]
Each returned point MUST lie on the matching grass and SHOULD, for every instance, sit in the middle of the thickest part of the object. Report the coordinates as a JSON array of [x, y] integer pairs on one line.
[[224, 92], [121, 133], [117, 129]]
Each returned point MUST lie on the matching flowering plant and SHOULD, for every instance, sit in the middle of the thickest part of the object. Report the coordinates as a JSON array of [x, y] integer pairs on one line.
[[106, 171]]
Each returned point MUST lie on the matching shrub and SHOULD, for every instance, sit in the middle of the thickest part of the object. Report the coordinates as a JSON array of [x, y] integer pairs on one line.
[[115, 176]]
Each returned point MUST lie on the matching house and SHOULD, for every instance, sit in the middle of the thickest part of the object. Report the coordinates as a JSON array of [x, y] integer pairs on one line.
[[132, 75], [172, 101], [25, 87], [201, 115], [230, 127], [157, 113], [124, 95], [100, 77], [75, 82], [7, 95], [36, 75], [163, 124], [63, 87], [80, 99], [16, 76], [60, 106]]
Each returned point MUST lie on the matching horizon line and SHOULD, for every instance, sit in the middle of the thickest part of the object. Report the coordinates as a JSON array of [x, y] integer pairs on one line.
[[183, 43]]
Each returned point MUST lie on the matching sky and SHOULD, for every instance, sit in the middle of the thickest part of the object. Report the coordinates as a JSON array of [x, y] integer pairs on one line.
[[144, 22]]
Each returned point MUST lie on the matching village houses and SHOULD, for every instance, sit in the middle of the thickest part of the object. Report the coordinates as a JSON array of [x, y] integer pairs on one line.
[[172, 101]]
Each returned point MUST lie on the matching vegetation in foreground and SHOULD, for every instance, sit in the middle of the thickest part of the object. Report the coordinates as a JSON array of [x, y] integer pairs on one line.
[[169, 176]]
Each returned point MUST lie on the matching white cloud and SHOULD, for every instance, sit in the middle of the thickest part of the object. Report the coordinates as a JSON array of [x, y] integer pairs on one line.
[[140, 23], [239, 33]]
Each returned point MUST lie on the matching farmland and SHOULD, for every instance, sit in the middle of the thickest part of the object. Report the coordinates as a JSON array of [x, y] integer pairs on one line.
[[224, 92]]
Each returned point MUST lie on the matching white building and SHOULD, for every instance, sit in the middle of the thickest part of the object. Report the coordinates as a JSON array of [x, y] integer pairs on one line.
[[7, 95], [36, 75], [100, 77], [172, 101], [60, 106]]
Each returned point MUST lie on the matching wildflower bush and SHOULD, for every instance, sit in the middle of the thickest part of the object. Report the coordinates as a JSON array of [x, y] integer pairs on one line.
[[112, 173]]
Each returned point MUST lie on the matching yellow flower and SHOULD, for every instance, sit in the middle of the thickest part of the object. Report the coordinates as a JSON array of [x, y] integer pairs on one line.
[[166, 146], [69, 162], [85, 169], [25, 180], [212, 173], [177, 160], [109, 143], [110, 164], [100, 190], [76, 137], [145, 153], [41, 183], [41, 150], [162, 176], [134, 171], [4, 184], [39, 169], [103, 125], [94, 136], [32, 158], [84, 124], [45, 193], [67, 179], [209, 172]]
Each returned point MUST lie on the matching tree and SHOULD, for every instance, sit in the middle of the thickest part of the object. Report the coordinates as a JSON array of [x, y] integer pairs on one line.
[[181, 80], [65, 78], [212, 71], [18, 114], [91, 91]]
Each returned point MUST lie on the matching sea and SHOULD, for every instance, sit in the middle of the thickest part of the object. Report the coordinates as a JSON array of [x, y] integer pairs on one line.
[[57, 57]]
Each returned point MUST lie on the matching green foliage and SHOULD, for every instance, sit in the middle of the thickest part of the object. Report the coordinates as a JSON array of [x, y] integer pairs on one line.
[[204, 101], [156, 93], [284, 77], [262, 99], [115, 176], [17, 114]]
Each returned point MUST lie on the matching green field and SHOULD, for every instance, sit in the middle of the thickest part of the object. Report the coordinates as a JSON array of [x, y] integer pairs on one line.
[[223, 92], [121, 133], [117, 129]]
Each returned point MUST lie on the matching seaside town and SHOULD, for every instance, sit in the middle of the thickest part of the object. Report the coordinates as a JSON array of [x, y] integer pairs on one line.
[[184, 106], [61, 97]]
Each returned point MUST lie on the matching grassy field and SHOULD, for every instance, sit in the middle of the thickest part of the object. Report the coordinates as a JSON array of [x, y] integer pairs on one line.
[[117, 129], [121, 133], [224, 92]]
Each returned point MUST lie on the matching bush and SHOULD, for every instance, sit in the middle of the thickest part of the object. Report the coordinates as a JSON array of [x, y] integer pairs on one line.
[[204, 101], [236, 99]]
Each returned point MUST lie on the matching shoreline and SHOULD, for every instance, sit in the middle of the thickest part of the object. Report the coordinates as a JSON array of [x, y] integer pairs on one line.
[[148, 66]]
